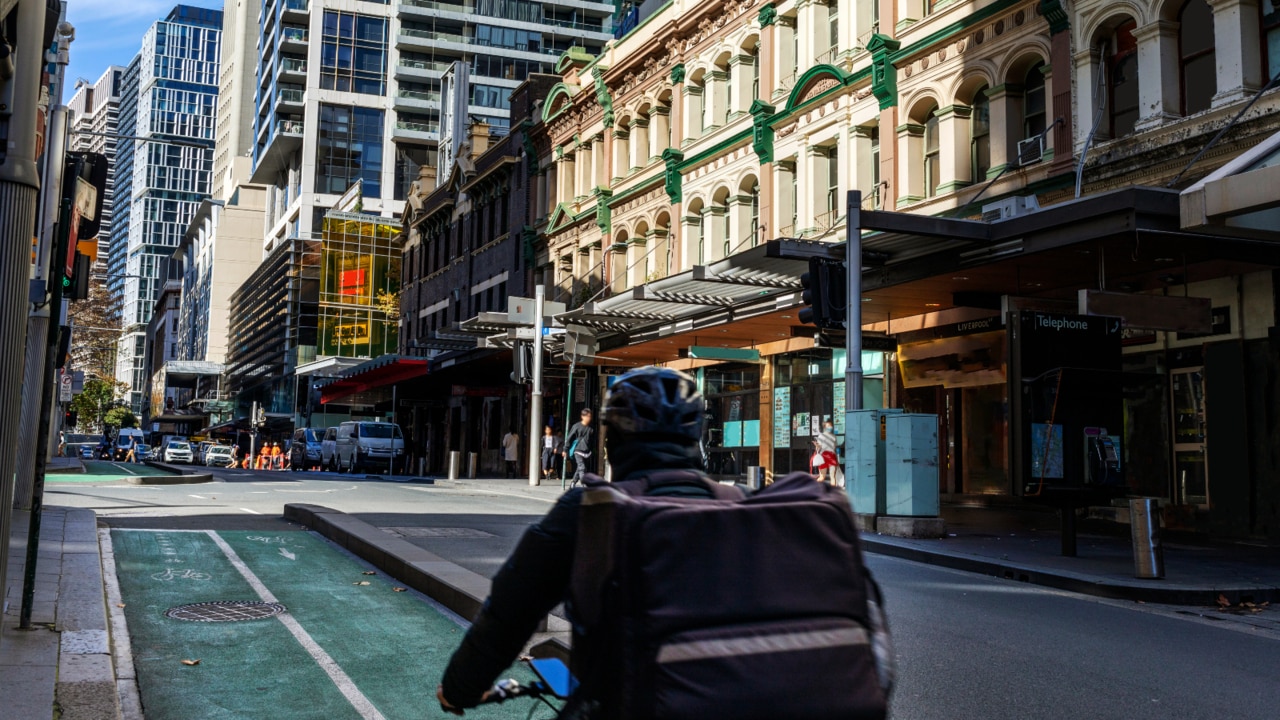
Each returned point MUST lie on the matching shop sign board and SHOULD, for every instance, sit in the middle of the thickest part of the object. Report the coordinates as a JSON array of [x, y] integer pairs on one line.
[[782, 417]]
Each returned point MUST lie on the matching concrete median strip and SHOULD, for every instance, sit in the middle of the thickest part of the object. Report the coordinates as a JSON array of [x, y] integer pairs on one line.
[[176, 476], [453, 586]]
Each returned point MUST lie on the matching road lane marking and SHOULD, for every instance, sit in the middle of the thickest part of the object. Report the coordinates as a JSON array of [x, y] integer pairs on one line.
[[348, 688], [469, 491], [251, 512], [198, 496]]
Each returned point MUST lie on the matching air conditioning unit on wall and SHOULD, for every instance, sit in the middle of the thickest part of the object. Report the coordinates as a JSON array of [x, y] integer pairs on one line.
[[1030, 151], [1009, 207]]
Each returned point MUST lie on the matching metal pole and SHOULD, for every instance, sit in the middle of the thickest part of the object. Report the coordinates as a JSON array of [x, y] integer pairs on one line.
[[535, 406], [19, 186], [568, 408], [38, 320], [253, 436], [46, 415], [853, 299]]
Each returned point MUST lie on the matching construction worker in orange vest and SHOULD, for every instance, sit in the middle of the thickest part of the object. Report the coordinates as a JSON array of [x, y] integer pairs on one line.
[[276, 462], [264, 458]]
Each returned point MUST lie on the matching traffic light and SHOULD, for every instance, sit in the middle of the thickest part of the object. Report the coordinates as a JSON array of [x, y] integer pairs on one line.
[[825, 294], [69, 419], [521, 362], [76, 287]]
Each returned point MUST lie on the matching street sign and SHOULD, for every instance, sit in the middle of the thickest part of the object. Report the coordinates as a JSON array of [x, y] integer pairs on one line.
[[64, 394], [521, 310]]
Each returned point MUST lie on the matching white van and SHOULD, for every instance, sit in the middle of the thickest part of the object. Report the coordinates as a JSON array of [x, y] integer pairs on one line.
[[125, 440], [362, 443]]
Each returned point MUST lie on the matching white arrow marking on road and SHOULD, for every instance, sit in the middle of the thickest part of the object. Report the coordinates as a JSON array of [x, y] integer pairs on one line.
[[288, 554]]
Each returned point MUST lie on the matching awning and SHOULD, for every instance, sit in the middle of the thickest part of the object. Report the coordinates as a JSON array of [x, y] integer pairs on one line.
[[1240, 197], [375, 373]]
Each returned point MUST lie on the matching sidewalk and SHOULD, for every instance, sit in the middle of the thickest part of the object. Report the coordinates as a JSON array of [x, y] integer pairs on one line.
[[61, 667]]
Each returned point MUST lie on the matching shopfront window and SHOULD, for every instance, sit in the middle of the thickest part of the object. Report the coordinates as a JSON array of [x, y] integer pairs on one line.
[[733, 419], [809, 390]]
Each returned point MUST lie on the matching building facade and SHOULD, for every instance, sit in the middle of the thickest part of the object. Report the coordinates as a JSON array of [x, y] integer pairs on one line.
[[1017, 160], [95, 108], [171, 95]]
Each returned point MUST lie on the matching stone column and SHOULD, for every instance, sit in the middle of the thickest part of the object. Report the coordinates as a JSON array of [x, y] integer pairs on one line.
[[1006, 128], [954, 151], [1088, 64], [659, 242], [911, 163], [784, 71], [621, 156], [690, 237], [739, 223], [1238, 49], [891, 189], [714, 100], [713, 244], [785, 217], [1061, 97], [639, 142], [599, 172], [659, 131], [636, 271], [1158, 90], [860, 164], [691, 126], [741, 74], [809, 13]]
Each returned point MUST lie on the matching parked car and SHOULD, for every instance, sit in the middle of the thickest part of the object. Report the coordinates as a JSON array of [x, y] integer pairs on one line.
[[142, 452], [361, 443], [87, 452], [304, 451], [125, 440], [178, 451], [218, 456], [329, 449]]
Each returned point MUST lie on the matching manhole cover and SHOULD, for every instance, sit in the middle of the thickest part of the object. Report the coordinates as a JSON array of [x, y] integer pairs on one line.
[[437, 532], [225, 611]]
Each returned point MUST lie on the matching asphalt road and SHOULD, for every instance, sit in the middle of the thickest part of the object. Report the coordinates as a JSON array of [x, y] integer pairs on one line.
[[968, 646]]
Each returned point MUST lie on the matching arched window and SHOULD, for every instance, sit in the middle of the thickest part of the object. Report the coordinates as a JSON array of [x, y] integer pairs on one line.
[[755, 213], [932, 155], [725, 221], [1197, 62], [980, 136], [1270, 11], [1033, 102], [755, 72], [1122, 79]]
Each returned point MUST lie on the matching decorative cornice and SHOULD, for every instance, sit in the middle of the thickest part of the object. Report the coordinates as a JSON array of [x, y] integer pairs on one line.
[[1056, 14], [761, 132], [884, 76], [672, 158], [677, 74], [768, 15]]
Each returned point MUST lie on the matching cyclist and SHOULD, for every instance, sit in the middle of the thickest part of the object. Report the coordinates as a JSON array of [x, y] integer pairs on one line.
[[653, 419]]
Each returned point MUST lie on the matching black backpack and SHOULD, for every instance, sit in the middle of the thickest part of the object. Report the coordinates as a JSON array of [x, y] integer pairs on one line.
[[733, 606]]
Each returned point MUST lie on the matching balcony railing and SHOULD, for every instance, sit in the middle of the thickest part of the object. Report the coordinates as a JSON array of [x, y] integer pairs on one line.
[[433, 35], [291, 127], [826, 221], [291, 95], [417, 126], [433, 5], [294, 65], [418, 95], [298, 5], [596, 26], [431, 65], [292, 34]]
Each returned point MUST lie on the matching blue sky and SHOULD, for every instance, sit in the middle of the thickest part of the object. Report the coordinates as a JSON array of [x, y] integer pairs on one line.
[[109, 32]]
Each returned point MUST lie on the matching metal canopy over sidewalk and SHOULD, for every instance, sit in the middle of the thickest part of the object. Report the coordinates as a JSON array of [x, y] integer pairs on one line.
[[376, 373]]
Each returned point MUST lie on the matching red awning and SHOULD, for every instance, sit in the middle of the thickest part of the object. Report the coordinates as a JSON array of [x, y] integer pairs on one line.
[[379, 372]]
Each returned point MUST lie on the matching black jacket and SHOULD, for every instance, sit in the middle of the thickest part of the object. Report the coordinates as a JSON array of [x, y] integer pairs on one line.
[[581, 439], [528, 586]]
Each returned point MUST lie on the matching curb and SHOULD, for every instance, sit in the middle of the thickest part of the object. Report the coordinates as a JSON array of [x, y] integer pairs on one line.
[[453, 586], [168, 479], [1072, 582]]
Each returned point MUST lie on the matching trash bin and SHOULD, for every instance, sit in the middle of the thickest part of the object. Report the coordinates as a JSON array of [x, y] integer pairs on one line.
[[1144, 525], [455, 464], [473, 464]]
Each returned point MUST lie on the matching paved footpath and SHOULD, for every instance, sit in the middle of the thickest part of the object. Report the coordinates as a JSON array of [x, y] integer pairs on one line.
[[348, 646]]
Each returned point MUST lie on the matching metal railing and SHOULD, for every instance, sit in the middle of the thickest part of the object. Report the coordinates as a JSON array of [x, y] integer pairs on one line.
[[291, 95], [825, 221], [433, 5], [434, 35], [299, 5], [293, 65], [291, 127], [596, 26], [417, 126], [293, 34]]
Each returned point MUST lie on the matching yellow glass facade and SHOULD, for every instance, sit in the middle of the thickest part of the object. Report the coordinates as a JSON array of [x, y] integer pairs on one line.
[[359, 286]]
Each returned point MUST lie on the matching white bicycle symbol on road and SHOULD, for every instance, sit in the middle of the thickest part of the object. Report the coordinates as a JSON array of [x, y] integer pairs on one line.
[[268, 540], [172, 574]]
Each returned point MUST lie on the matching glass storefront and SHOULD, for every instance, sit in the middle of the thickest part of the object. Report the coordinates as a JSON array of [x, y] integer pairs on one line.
[[359, 286], [808, 390]]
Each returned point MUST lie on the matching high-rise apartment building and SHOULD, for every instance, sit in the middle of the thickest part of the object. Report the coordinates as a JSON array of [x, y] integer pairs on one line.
[[170, 95], [95, 115]]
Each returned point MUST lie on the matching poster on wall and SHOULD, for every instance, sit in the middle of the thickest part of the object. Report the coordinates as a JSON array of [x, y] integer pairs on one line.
[[1046, 451], [782, 417], [800, 425], [837, 402]]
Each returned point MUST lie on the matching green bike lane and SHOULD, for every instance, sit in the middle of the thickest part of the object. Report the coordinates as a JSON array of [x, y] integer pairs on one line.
[[348, 645], [98, 471]]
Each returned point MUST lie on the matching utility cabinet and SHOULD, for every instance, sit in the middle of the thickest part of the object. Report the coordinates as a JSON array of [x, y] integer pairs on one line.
[[865, 453], [911, 465]]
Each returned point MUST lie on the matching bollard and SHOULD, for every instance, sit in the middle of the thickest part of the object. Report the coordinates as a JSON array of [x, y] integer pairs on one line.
[[455, 464], [753, 477], [473, 464], [1144, 526]]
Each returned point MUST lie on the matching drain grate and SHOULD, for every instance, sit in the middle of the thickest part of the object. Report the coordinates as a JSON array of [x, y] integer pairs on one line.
[[225, 611]]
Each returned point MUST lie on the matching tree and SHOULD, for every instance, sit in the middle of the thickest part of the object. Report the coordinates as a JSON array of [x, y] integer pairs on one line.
[[120, 417], [94, 335], [389, 304], [93, 402]]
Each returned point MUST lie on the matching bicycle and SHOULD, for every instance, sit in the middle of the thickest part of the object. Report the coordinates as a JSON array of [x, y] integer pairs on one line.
[[554, 681]]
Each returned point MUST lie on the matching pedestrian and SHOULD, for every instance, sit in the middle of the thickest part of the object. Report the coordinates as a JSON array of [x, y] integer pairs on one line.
[[581, 442], [824, 454], [264, 458], [551, 449], [276, 462], [511, 452]]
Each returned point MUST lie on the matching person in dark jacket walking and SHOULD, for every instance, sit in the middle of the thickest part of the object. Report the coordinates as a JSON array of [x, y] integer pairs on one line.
[[653, 419], [580, 444]]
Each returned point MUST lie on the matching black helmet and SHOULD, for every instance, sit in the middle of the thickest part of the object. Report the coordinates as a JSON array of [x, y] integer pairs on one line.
[[656, 401]]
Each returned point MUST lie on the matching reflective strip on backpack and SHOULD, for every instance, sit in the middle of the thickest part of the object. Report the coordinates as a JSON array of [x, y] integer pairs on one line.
[[758, 644]]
